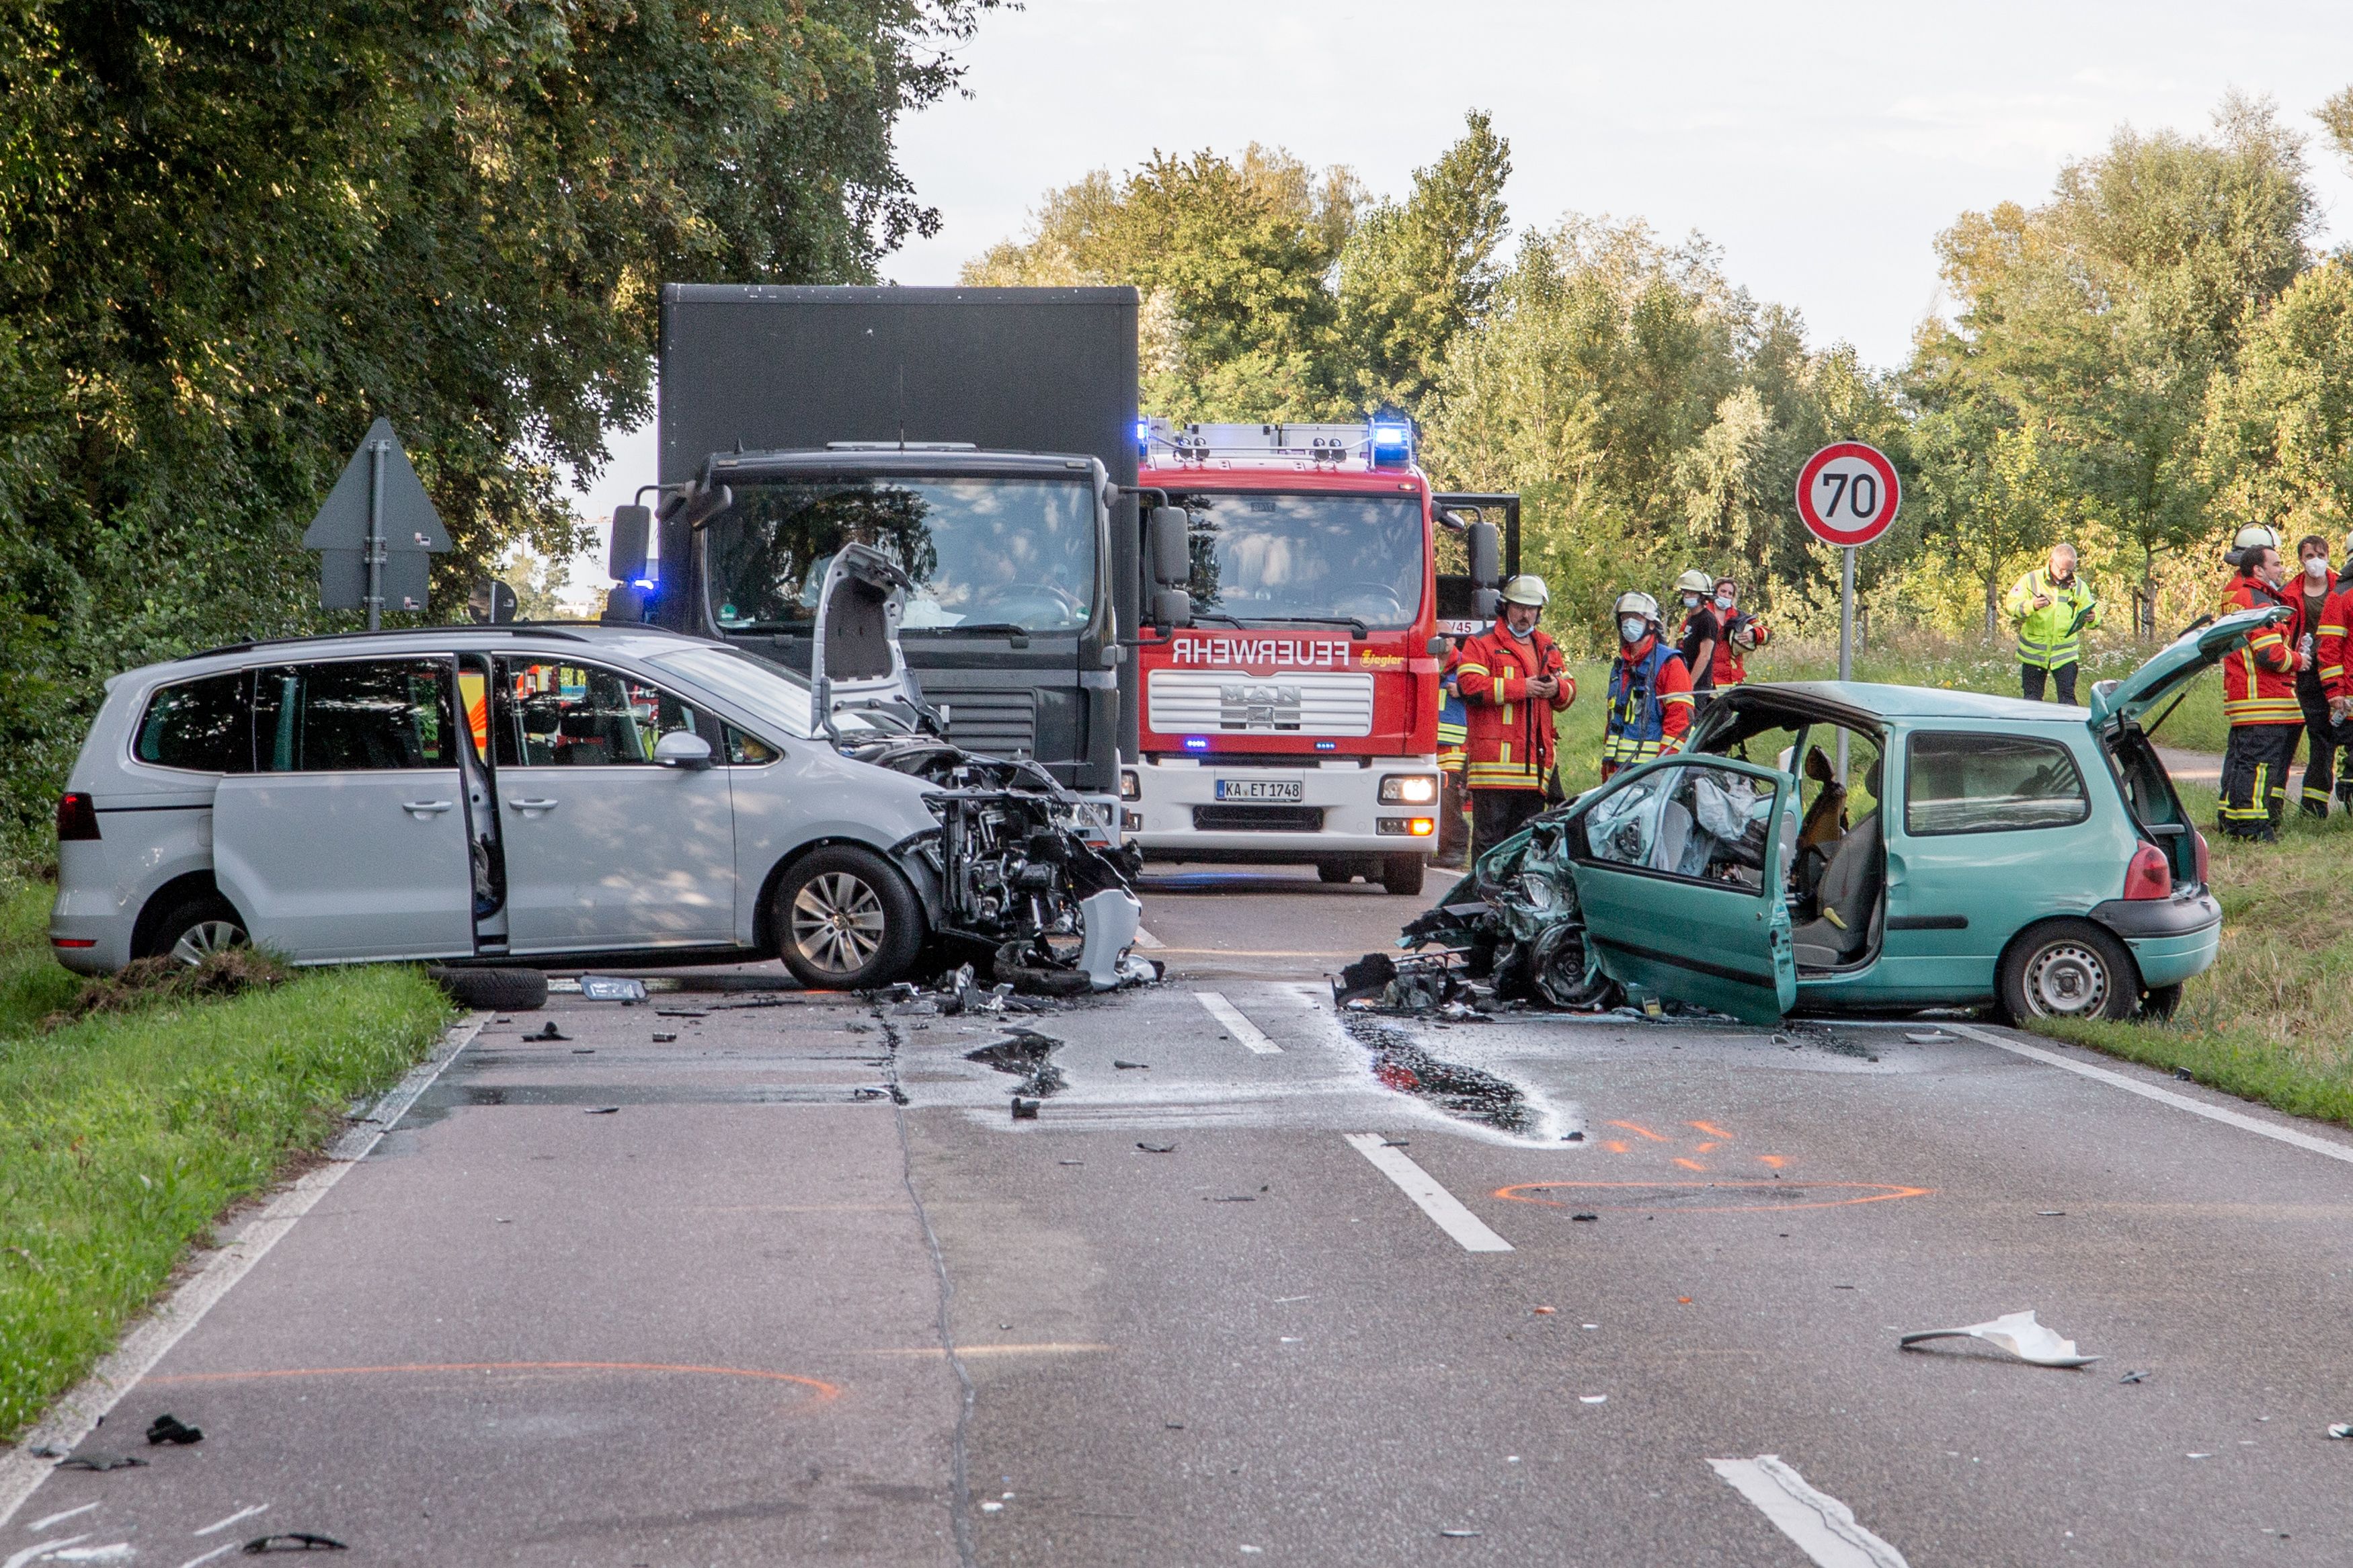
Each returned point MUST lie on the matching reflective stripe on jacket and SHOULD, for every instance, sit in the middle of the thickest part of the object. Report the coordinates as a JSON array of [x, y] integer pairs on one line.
[[2259, 675], [1650, 705], [1507, 738], [2051, 636]]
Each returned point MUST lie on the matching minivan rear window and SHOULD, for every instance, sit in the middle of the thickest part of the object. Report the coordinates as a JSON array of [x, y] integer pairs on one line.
[[203, 725], [1991, 783]]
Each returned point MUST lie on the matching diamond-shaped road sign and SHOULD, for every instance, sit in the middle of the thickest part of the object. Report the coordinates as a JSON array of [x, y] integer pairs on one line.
[[378, 504]]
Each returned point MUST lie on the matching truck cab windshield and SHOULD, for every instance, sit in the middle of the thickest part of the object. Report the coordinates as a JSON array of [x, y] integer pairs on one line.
[[983, 552], [1307, 557]]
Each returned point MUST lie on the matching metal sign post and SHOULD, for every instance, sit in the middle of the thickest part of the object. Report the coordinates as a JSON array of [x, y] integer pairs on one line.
[[1847, 495], [376, 532]]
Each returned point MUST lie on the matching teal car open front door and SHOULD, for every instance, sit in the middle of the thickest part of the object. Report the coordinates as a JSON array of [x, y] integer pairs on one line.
[[1680, 870]]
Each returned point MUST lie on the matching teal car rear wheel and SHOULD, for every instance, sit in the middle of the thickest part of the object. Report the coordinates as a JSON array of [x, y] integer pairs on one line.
[[2067, 969]]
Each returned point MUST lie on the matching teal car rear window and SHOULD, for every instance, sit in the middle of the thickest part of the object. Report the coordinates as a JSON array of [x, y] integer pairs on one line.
[[1974, 783]]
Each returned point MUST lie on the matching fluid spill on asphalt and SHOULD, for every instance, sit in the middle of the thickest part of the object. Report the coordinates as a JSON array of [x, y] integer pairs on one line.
[[1025, 1055], [1465, 1093]]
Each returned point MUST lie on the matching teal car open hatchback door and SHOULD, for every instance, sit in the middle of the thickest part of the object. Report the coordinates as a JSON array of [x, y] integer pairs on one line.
[[2176, 664], [1679, 870]]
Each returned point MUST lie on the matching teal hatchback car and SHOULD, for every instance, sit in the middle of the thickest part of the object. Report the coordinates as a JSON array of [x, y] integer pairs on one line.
[[1839, 848]]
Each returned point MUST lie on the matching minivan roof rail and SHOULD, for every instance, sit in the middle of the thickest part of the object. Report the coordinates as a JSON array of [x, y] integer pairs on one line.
[[512, 628]]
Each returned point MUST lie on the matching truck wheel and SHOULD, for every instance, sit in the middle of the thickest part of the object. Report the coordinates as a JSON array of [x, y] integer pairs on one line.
[[1334, 871], [1402, 873], [2067, 969], [196, 929], [492, 990], [847, 921]]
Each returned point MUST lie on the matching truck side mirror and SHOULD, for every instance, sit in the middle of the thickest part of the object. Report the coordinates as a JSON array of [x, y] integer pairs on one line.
[[625, 559], [1439, 648], [1172, 609], [1486, 547], [1170, 541]]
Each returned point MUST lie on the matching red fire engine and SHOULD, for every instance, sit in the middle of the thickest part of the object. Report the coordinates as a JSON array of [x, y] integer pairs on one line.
[[1296, 721]]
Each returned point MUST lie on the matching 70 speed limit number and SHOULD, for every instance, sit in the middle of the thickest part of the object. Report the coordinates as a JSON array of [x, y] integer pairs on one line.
[[1848, 493]]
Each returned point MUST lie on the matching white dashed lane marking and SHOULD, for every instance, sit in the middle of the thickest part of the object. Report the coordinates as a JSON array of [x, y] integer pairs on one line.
[[1240, 1027], [1823, 1527], [1435, 1201]]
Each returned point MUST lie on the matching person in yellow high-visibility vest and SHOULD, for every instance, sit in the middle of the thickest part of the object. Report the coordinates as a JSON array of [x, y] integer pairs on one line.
[[2052, 605]]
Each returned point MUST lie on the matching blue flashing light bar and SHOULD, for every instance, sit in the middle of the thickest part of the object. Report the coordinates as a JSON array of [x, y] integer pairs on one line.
[[1392, 443], [1197, 742], [1328, 745]]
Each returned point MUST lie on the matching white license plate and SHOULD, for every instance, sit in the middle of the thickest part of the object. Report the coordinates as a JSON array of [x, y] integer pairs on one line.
[[1289, 790]]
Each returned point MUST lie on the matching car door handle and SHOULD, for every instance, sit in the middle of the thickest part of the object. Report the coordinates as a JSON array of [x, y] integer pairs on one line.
[[425, 807], [532, 804]]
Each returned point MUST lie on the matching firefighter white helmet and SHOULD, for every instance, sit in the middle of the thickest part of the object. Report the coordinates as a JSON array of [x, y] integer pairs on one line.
[[1695, 582], [1524, 589], [2255, 536], [1641, 605]]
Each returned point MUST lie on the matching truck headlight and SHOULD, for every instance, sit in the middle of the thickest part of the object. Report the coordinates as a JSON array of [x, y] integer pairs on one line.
[[1130, 786], [1409, 789]]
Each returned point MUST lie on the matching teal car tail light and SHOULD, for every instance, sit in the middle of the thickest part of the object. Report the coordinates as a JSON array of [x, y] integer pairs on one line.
[[2150, 876]]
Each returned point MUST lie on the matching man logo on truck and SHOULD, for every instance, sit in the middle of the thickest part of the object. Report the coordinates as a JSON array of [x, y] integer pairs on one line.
[[1258, 706]]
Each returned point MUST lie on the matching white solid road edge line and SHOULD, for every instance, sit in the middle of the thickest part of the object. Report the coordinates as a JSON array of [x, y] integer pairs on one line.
[[78, 1411], [2304, 1140], [1422, 1187], [1823, 1527], [1241, 1028]]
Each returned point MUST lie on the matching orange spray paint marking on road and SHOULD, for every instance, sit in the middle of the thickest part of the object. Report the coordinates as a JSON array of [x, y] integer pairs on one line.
[[1640, 1131], [1770, 1196], [1616, 1145], [1690, 1165], [1707, 1146], [1709, 1127], [1773, 1160]]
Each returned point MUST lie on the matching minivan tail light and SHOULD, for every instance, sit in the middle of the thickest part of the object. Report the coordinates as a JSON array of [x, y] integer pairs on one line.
[[2150, 876], [77, 818], [2205, 877]]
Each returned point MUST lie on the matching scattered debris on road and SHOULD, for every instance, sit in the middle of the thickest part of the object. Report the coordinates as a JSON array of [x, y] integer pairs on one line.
[[169, 1429], [1025, 1109], [94, 1460], [547, 1031], [2343, 1429], [2017, 1332], [1158, 1148], [2134, 1377], [665, 1036], [611, 988], [606, 1111], [1027, 1054], [1131, 1067], [293, 1541]]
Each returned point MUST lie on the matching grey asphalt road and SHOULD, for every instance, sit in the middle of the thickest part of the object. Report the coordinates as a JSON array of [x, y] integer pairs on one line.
[[723, 1300]]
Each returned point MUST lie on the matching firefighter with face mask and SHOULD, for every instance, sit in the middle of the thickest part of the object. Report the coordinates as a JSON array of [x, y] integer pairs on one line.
[[1744, 634], [2258, 696], [1512, 679], [1700, 638], [1650, 690], [2319, 635]]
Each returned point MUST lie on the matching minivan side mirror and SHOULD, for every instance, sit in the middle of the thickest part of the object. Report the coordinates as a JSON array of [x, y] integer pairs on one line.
[[625, 558], [680, 750], [1486, 547]]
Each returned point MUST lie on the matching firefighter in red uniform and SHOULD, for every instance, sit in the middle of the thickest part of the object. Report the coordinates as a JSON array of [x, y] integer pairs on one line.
[[2332, 650], [2259, 696], [1650, 690], [1743, 633], [1512, 679]]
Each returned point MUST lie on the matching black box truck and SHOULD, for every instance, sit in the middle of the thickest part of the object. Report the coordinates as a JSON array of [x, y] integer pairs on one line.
[[977, 436]]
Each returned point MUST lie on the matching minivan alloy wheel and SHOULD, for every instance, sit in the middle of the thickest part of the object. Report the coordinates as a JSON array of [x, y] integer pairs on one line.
[[837, 922], [205, 937]]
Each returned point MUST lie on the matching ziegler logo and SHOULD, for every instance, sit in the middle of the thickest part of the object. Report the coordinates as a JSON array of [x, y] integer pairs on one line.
[[1258, 705]]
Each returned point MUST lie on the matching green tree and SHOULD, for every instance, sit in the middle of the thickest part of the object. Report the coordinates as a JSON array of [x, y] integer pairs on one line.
[[2279, 433], [231, 233]]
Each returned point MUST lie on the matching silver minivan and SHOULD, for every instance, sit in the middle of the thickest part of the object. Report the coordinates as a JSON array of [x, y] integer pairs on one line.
[[539, 794]]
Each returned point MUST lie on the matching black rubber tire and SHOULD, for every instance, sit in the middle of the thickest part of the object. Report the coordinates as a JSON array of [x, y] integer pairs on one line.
[[861, 887], [198, 922], [2051, 963], [492, 990], [2159, 1002], [1402, 873], [1334, 871]]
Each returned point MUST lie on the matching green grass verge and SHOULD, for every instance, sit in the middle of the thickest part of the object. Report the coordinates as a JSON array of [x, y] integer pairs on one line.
[[2267, 1021], [124, 1137]]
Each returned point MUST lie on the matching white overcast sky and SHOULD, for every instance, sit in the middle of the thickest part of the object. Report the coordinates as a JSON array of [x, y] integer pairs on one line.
[[1821, 146]]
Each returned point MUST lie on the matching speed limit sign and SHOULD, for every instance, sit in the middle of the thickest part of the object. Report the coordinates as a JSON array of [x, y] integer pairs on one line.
[[1847, 494]]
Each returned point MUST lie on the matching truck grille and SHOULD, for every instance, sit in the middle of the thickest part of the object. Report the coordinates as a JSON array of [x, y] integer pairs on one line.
[[1302, 702], [1258, 819], [995, 723]]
